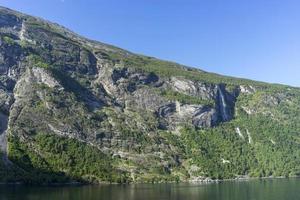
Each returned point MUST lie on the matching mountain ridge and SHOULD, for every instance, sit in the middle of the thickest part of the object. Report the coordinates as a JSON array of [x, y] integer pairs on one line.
[[77, 110], [69, 31]]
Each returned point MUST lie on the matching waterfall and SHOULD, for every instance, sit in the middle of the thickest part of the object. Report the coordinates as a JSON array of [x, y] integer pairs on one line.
[[223, 105], [249, 137], [238, 131]]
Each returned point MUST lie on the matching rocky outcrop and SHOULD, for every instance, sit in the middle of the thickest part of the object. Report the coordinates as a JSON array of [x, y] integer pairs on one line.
[[193, 88], [176, 114], [224, 100], [247, 89], [207, 117], [41, 76], [3, 137]]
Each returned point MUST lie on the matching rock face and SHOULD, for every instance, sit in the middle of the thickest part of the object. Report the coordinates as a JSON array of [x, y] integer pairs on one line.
[[3, 127], [85, 97], [225, 103], [193, 88]]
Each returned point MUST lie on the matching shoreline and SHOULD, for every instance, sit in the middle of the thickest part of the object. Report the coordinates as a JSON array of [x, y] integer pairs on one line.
[[205, 181], [242, 179]]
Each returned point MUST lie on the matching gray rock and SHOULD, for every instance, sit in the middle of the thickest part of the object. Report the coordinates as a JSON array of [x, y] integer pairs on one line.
[[207, 117]]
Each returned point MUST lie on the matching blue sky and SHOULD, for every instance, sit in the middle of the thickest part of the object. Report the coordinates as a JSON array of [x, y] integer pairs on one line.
[[256, 39]]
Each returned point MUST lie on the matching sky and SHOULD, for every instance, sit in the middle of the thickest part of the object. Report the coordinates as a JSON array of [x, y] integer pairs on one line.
[[255, 39]]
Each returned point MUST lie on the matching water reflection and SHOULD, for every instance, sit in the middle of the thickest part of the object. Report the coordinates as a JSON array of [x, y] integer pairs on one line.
[[279, 189]]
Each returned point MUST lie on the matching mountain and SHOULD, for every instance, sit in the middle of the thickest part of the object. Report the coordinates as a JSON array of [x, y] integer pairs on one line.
[[74, 109]]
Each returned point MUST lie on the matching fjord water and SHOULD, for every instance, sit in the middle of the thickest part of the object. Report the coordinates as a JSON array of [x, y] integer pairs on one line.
[[271, 189]]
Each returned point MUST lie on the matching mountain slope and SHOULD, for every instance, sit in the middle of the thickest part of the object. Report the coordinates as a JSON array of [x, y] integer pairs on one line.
[[73, 109]]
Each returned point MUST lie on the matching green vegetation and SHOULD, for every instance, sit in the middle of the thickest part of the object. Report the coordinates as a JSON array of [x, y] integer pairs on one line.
[[37, 25], [60, 160], [261, 158], [186, 99], [169, 69], [8, 40], [38, 61]]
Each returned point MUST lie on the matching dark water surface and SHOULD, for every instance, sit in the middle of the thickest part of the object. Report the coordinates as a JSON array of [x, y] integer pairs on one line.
[[271, 189]]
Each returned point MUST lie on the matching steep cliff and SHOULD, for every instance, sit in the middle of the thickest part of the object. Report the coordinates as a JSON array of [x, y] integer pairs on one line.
[[76, 109]]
